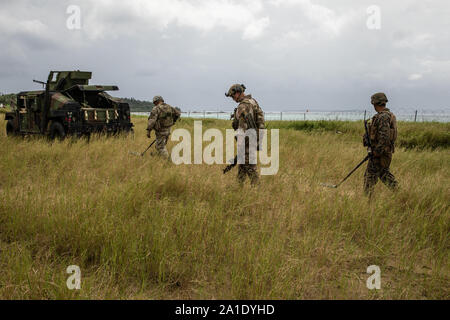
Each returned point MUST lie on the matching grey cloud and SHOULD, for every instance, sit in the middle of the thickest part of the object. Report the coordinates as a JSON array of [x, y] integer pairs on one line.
[[293, 61]]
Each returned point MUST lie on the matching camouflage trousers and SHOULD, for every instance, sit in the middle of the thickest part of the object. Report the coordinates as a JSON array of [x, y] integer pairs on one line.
[[249, 170], [161, 141], [378, 168]]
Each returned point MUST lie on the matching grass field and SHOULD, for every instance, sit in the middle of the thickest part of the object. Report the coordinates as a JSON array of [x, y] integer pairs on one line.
[[141, 228]]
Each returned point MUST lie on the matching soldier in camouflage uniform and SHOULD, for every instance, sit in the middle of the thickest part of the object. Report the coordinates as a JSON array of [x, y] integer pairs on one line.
[[382, 135], [247, 115], [162, 117]]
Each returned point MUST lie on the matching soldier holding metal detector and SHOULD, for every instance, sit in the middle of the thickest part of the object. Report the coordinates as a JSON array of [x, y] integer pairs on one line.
[[248, 115], [379, 138], [161, 119]]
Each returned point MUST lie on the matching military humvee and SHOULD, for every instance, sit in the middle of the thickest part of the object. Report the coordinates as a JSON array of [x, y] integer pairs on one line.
[[68, 105]]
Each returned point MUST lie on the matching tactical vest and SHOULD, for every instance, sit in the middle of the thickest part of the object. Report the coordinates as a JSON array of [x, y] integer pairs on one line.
[[258, 114], [392, 130], [166, 115]]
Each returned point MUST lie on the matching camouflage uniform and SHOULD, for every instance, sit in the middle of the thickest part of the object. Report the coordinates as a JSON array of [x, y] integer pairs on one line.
[[248, 105], [382, 135], [162, 117]]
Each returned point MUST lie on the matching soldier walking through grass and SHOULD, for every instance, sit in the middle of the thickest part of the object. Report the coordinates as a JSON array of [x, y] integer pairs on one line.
[[247, 115], [162, 117], [382, 136]]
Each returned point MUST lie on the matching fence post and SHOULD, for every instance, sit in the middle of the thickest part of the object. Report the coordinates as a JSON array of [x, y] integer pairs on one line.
[[281, 115], [415, 117], [365, 115], [304, 116]]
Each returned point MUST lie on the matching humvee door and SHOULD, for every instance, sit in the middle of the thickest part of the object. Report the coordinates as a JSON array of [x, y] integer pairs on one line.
[[29, 116]]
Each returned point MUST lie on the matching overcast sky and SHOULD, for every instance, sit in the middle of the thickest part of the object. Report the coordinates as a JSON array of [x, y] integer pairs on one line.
[[290, 54]]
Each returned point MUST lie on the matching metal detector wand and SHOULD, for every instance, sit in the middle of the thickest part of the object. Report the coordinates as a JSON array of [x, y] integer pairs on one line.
[[142, 154]]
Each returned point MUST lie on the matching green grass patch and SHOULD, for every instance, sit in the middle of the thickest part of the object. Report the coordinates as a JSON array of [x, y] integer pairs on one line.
[[431, 135], [142, 228]]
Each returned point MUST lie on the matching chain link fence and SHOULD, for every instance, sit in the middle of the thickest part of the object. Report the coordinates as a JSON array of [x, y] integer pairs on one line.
[[401, 114]]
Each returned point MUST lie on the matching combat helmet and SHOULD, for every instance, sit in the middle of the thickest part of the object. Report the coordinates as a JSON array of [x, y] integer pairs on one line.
[[235, 88], [157, 98], [379, 99]]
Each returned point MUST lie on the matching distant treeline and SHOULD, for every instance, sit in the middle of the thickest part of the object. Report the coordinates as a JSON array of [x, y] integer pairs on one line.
[[5, 99], [138, 105]]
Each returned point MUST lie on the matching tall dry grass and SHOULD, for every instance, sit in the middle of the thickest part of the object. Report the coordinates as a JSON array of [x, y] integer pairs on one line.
[[143, 228]]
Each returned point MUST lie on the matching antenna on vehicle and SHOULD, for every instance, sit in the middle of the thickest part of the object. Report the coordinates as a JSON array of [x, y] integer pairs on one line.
[[40, 82]]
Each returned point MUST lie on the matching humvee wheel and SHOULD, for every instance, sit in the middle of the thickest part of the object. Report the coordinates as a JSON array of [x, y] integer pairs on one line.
[[57, 131], [10, 129]]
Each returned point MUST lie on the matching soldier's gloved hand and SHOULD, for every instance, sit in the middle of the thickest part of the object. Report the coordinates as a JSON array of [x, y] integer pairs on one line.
[[365, 142]]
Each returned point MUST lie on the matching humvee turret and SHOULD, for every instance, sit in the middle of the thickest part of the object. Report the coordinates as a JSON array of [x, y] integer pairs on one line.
[[68, 105]]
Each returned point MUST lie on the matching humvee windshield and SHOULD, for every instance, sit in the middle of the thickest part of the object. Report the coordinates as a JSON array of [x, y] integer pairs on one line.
[[54, 76]]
